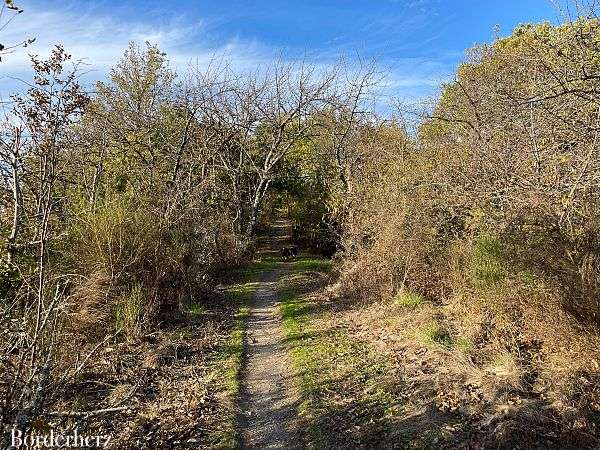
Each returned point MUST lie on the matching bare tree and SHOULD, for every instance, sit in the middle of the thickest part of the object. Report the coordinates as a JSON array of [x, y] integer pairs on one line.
[[52, 104], [7, 7]]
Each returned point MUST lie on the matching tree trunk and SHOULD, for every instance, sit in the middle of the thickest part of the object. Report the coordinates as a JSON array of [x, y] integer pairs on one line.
[[16, 193], [14, 232], [259, 194]]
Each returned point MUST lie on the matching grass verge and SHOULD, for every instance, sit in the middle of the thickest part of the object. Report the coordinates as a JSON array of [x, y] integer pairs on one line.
[[347, 401], [230, 362]]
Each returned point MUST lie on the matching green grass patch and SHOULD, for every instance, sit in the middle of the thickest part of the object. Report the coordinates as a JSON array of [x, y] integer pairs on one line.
[[251, 272], [310, 263], [463, 344], [233, 352], [128, 312], [488, 261], [341, 379], [435, 334], [409, 299], [196, 309], [230, 362]]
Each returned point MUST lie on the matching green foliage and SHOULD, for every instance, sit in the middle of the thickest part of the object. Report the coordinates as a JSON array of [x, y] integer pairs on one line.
[[305, 190], [488, 265], [129, 311], [409, 299]]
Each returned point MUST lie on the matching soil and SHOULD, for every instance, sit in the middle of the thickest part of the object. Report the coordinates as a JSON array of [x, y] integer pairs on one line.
[[268, 398]]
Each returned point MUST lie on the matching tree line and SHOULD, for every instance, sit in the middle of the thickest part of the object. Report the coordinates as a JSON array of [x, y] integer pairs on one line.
[[120, 206]]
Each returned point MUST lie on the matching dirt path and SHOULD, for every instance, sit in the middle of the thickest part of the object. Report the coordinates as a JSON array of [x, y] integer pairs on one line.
[[268, 396]]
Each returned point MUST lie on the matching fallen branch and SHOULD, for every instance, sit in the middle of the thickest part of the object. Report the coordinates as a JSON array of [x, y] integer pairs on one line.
[[91, 413]]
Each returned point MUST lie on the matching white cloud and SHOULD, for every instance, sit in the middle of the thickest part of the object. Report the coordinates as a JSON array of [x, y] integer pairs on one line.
[[100, 39]]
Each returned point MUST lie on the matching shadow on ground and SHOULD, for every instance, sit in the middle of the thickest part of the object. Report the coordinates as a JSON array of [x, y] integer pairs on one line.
[[354, 396]]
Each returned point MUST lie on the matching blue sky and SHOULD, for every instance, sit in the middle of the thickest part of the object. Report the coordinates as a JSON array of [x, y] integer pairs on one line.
[[417, 42]]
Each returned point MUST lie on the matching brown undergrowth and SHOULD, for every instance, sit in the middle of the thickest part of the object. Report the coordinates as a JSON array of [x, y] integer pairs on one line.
[[474, 393], [408, 372], [170, 388]]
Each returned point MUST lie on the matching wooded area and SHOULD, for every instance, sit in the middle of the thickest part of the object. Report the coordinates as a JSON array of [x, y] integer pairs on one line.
[[122, 209]]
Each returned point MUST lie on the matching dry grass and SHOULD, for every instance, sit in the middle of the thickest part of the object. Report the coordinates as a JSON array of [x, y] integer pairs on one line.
[[168, 385], [469, 373]]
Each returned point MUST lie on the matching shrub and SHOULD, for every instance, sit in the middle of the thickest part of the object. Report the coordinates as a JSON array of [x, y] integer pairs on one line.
[[409, 299], [129, 312], [487, 264]]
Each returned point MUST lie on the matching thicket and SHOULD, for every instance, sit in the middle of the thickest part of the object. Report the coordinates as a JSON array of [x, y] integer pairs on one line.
[[490, 211], [119, 208]]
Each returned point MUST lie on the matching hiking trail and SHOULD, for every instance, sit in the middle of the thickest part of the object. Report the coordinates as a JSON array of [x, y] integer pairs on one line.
[[268, 395]]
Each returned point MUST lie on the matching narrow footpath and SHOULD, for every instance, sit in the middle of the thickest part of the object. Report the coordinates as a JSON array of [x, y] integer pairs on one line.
[[268, 396]]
